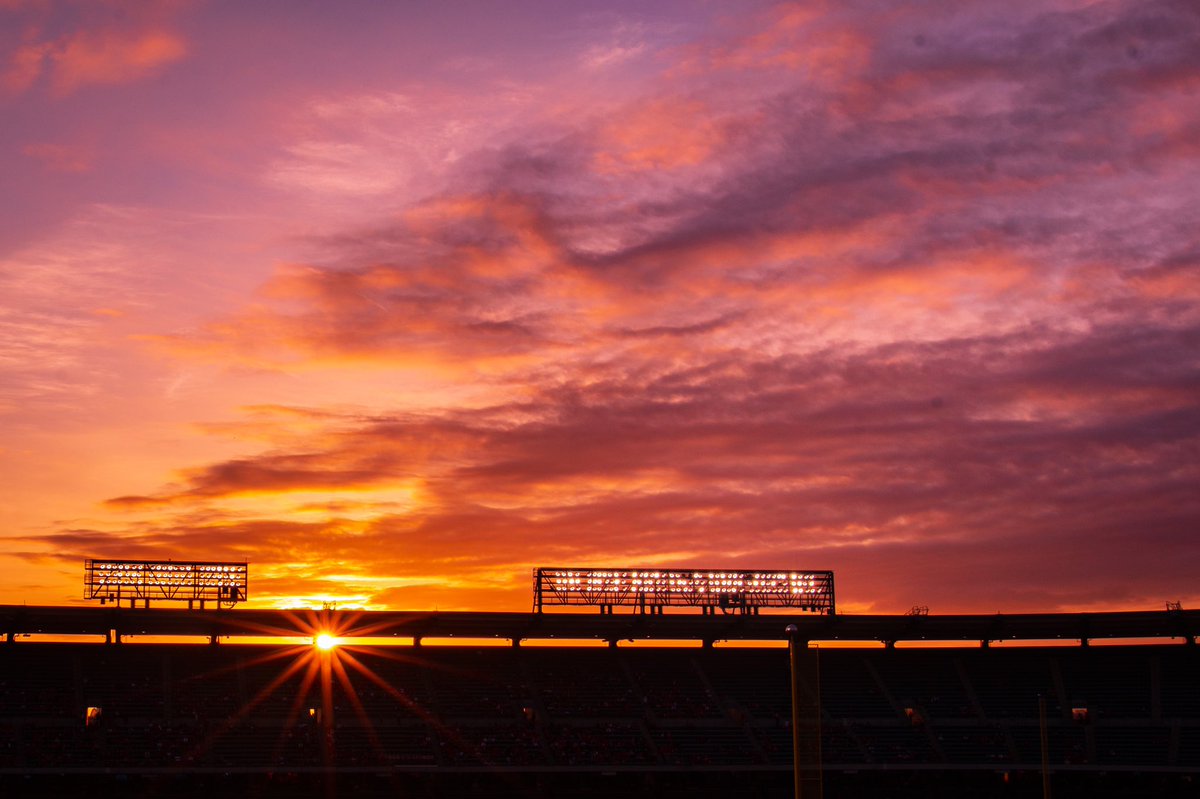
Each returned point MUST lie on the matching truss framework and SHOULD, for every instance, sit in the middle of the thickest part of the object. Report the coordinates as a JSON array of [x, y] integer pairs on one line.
[[652, 590], [224, 583]]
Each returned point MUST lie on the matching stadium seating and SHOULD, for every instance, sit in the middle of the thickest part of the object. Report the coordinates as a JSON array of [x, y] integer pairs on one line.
[[546, 711]]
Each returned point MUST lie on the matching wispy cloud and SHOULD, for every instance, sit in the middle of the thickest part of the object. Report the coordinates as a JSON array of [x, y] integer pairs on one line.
[[60, 157]]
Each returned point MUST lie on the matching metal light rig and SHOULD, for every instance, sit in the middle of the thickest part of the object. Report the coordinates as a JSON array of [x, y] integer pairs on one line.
[[649, 591], [115, 581]]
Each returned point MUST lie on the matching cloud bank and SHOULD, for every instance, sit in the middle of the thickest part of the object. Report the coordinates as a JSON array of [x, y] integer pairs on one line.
[[908, 295]]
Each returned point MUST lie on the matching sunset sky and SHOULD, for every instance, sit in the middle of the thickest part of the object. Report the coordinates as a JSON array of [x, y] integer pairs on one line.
[[397, 301]]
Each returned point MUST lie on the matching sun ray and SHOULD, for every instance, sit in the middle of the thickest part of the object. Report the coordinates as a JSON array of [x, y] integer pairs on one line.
[[325, 725], [352, 695], [447, 732], [207, 741], [232, 667], [298, 702]]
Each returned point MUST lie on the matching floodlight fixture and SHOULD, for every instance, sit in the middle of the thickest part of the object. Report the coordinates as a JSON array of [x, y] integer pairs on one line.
[[224, 583], [650, 590]]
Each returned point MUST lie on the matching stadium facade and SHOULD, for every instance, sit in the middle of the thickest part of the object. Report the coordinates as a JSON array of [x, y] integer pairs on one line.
[[83, 717]]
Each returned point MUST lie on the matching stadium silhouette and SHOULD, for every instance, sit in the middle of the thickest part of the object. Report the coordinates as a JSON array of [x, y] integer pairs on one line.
[[98, 701]]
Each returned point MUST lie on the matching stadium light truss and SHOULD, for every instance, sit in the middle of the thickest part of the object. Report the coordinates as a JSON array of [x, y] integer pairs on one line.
[[651, 590], [145, 580]]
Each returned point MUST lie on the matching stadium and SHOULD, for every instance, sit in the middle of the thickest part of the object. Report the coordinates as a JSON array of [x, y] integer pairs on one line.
[[125, 699]]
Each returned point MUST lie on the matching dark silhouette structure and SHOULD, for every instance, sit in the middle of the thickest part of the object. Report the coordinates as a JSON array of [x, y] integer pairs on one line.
[[181, 720]]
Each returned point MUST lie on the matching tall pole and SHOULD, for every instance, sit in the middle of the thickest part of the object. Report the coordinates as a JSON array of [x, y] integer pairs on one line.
[[806, 716], [1045, 746], [792, 631]]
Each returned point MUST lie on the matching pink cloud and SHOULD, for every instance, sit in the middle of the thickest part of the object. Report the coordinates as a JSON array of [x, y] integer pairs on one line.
[[109, 57], [61, 157], [666, 134], [810, 40], [25, 66], [98, 47]]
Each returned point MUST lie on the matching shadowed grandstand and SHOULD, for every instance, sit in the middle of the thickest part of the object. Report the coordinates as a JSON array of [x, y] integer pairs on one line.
[[185, 719]]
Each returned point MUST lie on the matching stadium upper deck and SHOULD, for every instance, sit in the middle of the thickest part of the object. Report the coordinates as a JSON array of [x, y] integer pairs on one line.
[[110, 622]]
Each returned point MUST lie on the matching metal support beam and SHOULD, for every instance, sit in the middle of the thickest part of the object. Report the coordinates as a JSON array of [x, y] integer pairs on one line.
[[806, 716]]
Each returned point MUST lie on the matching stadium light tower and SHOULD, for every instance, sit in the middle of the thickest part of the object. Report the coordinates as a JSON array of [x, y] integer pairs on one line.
[[134, 581], [650, 591]]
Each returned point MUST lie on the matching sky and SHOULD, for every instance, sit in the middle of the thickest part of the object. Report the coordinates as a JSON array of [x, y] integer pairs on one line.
[[398, 301]]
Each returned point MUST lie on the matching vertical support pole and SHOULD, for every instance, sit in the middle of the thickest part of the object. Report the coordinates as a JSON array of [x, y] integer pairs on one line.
[[806, 717], [1045, 736], [797, 789]]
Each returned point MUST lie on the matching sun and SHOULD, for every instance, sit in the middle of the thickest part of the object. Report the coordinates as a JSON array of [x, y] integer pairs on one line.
[[325, 642]]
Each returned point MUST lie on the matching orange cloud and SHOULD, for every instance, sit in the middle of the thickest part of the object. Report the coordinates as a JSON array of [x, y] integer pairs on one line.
[[844, 457], [803, 39], [108, 57], [25, 66], [1179, 281], [664, 134], [96, 52], [491, 285]]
